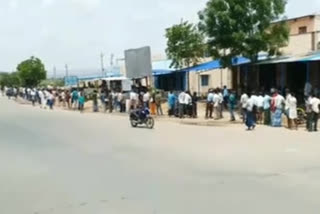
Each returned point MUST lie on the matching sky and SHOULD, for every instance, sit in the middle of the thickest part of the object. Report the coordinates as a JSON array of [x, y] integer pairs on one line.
[[76, 32]]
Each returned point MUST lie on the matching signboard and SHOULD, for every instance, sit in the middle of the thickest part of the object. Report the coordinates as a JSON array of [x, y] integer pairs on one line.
[[138, 63], [126, 85], [71, 81]]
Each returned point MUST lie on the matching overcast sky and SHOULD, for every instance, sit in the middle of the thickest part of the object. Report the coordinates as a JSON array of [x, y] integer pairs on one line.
[[77, 31]]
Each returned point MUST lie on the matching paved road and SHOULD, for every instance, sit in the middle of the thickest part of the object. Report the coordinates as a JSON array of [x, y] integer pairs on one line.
[[66, 163]]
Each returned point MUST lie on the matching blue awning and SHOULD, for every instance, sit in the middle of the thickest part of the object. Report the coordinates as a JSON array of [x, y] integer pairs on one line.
[[313, 57], [158, 72], [216, 64]]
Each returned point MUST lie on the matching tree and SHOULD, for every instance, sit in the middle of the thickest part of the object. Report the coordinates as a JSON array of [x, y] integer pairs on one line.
[[10, 80], [52, 82], [31, 72], [244, 27], [185, 45]]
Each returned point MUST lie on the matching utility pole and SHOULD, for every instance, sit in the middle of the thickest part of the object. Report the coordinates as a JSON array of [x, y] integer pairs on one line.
[[102, 64], [67, 70], [54, 73], [111, 59]]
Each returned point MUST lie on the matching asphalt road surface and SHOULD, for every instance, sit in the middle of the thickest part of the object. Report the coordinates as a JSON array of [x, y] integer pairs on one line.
[[59, 162]]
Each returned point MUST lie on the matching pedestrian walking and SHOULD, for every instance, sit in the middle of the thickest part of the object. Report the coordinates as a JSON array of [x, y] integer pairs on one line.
[[243, 102]]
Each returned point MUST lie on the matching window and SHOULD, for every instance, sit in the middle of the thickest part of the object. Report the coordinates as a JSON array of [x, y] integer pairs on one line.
[[302, 30], [204, 80]]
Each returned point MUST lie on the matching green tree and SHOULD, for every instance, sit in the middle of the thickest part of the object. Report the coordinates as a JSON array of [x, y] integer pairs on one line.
[[185, 45], [31, 72], [10, 80], [52, 82], [244, 27]]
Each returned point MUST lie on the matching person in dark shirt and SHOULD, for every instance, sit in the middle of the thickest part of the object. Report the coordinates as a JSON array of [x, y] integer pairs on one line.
[[194, 105]]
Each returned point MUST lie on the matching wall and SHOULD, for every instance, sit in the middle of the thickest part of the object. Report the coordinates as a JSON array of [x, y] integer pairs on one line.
[[215, 77], [298, 44], [294, 24]]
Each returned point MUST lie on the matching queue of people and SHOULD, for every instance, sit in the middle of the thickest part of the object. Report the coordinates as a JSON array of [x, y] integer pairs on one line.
[[255, 108]]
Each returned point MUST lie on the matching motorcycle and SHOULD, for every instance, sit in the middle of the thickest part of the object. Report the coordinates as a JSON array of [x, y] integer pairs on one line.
[[141, 117]]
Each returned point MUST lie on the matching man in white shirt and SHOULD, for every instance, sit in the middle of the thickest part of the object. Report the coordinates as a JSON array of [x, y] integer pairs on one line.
[[221, 103], [209, 108], [182, 103], [216, 103], [250, 121], [315, 102], [277, 104], [260, 100], [188, 103], [33, 96], [146, 99], [133, 100], [243, 101]]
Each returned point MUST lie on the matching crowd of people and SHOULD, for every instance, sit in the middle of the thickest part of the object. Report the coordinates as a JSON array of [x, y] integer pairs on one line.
[[254, 108]]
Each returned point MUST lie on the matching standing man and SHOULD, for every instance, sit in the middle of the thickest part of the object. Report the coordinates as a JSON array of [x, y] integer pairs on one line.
[[33, 96], [209, 107], [260, 108], [266, 109], [133, 100], [171, 103], [222, 102], [232, 105], [182, 97], [225, 96], [216, 105], [277, 103], [250, 123], [74, 98], [315, 102], [146, 99], [121, 102], [95, 101], [243, 101], [188, 104], [158, 103], [292, 111], [309, 113], [194, 105]]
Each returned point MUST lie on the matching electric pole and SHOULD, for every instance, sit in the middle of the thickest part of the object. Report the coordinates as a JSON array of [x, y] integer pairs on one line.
[[67, 70], [54, 73], [111, 60], [102, 64]]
